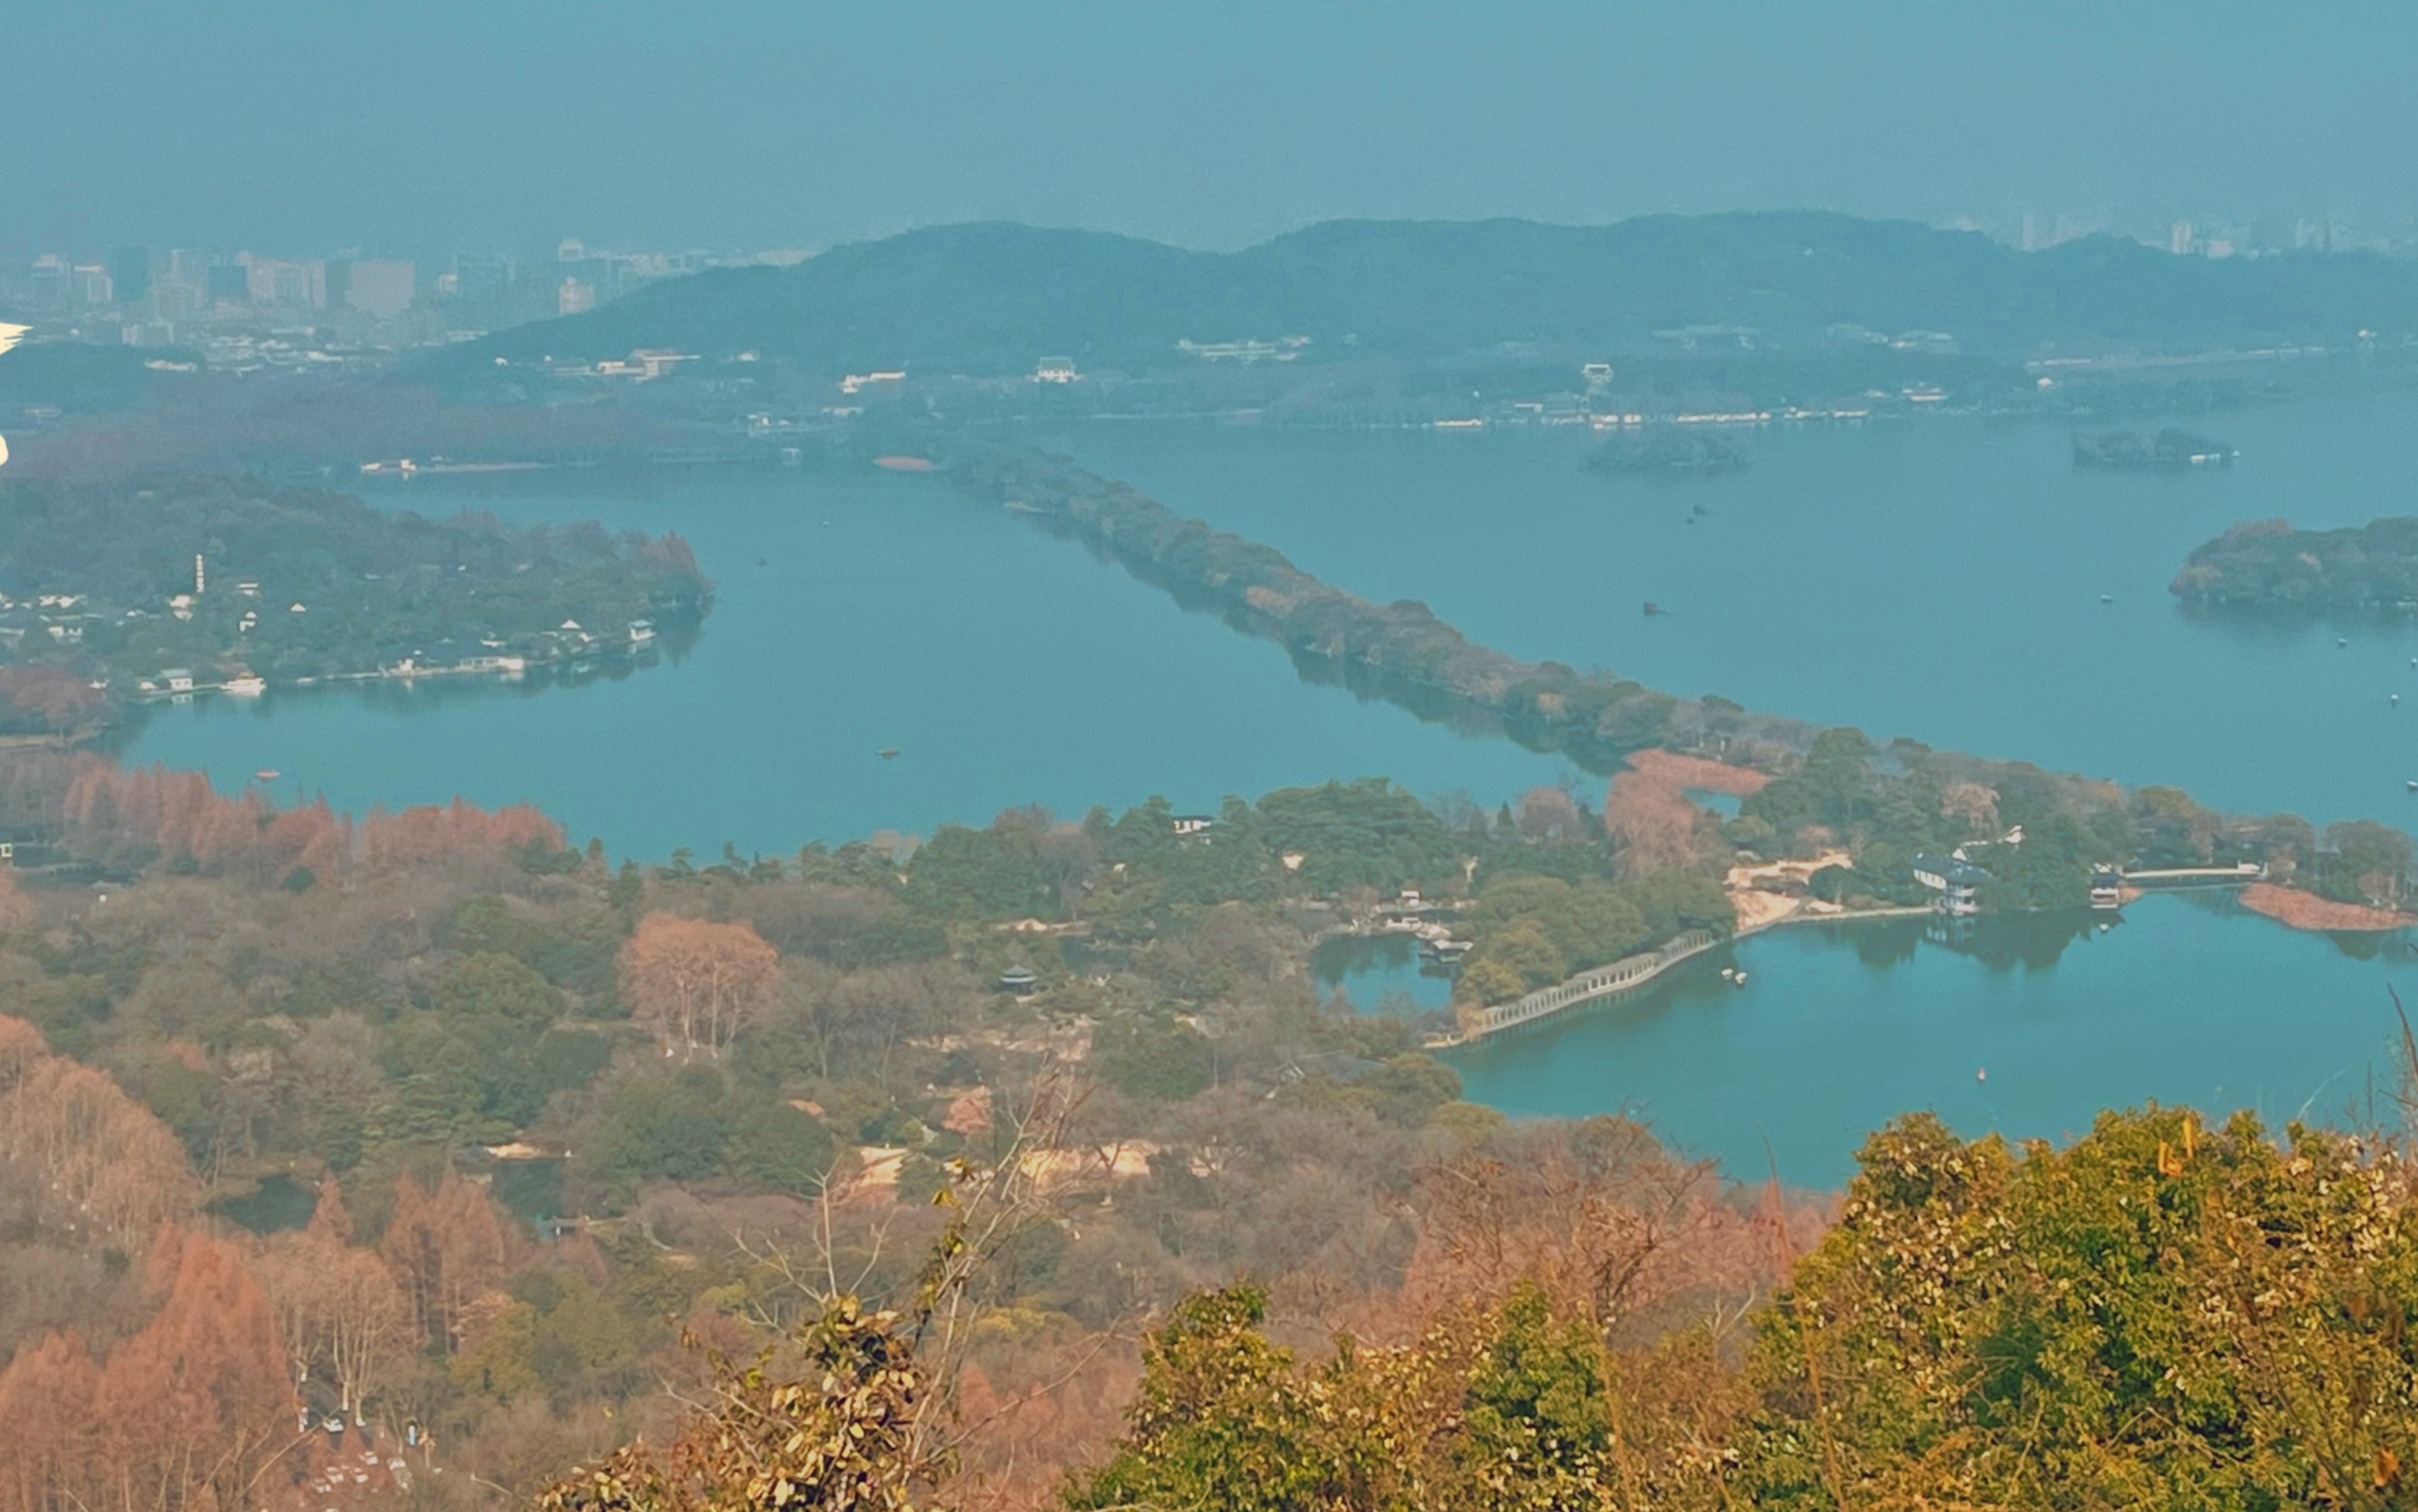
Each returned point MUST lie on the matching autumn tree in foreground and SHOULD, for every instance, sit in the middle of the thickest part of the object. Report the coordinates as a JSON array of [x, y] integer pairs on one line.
[[198, 1404], [696, 983], [860, 1408], [194, 1409], [836, 1431], [2158, 1316], [50, 1423]]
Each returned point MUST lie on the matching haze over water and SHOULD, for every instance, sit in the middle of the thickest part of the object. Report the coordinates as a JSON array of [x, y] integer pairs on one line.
[[1966, 558], [1938, 579], [854, 613], [1843, 1026]]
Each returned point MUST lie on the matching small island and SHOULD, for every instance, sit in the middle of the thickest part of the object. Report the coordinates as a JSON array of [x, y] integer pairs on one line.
[[2266, 565], [2169, 449], [166, 586], [1668, 448]]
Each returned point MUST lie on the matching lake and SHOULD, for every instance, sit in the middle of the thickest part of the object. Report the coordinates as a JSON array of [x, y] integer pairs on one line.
[[853, 613], [1940, 579], [1840, 1027]]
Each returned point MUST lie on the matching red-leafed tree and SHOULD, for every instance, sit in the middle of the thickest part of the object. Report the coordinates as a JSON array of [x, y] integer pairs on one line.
[[671, 550], [445, 1250], [196, 1410], [151, 813], [434, 833], [696, 983], [50, 1431]]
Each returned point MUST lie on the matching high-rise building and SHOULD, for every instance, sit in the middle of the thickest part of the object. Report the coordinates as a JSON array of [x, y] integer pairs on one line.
[[230, 282], [573, 297], [286, 285], [190, 269], [49, 287], [381, 288], [130, 272], [182, 289], [481, 287], [2182, 239]]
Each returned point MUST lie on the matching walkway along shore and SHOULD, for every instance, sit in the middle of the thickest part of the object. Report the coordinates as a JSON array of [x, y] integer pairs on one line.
[[1630, 972]]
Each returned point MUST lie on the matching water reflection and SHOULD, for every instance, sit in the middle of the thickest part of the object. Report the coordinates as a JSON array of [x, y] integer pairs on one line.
[[1840, 1028], [1380, 974]]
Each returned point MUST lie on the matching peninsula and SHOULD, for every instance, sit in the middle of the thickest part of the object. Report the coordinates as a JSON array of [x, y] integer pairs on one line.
[[2024, 838], [167, 585]]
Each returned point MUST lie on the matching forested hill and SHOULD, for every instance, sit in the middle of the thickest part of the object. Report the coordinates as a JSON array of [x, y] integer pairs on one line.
[[993, 297]]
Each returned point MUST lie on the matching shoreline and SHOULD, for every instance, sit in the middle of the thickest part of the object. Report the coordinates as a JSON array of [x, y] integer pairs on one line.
[[1404, 653], [2296, 909]]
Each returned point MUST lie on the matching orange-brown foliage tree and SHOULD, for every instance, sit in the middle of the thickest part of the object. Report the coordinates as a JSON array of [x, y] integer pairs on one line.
[[50, 1431], [136, 817], [116, 815], [196, 1410], [696, 982], [1547, 814], [21, 1046], [458, 829], [1654, 825], [104, 1164], [17, 911], [1604, 1220], [339, 1311], [445, 1250]]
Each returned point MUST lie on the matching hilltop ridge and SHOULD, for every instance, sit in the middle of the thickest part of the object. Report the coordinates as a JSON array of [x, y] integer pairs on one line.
[[987, 297]]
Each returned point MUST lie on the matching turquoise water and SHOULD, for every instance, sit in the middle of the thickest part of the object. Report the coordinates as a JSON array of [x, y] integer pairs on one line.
[[1005, 666], [1379, 975], [1940, 579], [1840, 1028]]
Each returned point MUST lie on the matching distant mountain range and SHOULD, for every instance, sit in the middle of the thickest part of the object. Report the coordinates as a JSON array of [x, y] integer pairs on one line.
[[993, 297]]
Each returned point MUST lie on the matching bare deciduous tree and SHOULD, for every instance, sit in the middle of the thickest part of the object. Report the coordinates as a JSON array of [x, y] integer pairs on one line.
[[696, 983]]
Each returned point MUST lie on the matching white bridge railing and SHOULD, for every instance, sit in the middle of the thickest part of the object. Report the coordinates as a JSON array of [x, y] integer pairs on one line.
[[1628, 972]]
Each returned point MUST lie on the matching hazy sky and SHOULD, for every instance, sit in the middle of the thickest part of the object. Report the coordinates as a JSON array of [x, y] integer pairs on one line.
[[308, 124]]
